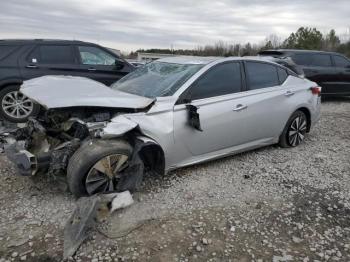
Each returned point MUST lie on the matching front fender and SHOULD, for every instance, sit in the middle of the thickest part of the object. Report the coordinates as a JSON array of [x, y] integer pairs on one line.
[[118, 126]]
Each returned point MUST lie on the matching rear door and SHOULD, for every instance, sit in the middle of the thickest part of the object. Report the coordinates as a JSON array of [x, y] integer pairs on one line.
[[342, 68], [49, 59], [267, 101], [99, 64], [318, 67]]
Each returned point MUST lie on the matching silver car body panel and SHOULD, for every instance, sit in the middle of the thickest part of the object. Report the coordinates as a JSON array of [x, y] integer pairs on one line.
[[69, 91], [225, 130], [118, 126], [261, 124]]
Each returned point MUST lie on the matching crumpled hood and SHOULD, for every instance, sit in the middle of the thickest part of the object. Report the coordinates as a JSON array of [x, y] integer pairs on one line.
[[70, 91]]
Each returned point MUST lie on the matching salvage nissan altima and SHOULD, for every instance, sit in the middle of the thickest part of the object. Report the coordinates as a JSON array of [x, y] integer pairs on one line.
[[170, 113]]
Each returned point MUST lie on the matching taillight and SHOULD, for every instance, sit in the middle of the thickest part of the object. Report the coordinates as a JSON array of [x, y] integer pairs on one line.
[[316, 90]]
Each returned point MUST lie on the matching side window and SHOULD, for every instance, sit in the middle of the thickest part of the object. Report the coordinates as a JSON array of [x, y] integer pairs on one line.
[[261, 75], [52, 54], [282, 74], [91, 55], [321, 60], [221, 80], [302, 59], [5, 50], [341, 61]]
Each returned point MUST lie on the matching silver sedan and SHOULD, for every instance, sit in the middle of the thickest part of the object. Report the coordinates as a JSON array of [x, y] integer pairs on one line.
[[168, 114]]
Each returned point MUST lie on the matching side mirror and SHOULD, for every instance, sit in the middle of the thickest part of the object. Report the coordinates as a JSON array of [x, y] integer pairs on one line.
[[193, 117], [119, 64]]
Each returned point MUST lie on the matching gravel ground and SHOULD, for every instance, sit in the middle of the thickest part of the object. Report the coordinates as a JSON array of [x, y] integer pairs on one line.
[[270, 204]]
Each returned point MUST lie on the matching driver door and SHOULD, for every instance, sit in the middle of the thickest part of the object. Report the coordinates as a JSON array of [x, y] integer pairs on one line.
[[216, 94]]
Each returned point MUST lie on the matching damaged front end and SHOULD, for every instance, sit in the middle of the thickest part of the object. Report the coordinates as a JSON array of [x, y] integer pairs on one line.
[[45, 144], [87, 136]]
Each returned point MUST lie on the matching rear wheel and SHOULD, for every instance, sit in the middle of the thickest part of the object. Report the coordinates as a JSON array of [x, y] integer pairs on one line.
[[16, 107], [102, 166], [294, 131]]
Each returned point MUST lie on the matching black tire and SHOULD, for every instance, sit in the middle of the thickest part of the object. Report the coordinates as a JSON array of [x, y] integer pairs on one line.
[[290, 139], [5, 115], [91, 152]]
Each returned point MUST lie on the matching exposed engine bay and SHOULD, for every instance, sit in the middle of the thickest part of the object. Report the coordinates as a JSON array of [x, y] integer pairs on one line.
[[85, 136], [47, 142]]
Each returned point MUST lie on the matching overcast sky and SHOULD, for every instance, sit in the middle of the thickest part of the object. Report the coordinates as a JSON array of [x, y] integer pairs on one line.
[[132, 24]]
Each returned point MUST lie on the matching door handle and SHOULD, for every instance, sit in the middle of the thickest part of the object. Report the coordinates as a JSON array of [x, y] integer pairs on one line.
[[289, 93], [92, 69], [240, 107], [31, 66]]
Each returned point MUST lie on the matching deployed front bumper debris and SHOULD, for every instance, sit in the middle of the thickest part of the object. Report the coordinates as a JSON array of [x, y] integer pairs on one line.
[[80, 223], [31, 149], [25, 162], [90, 210]]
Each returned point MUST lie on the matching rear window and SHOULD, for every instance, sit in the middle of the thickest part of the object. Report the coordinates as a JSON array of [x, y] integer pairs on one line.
[[5, 50], [312, 59], [261, 75], [321, 60], [341, 61], [302, 59], [52, 54]]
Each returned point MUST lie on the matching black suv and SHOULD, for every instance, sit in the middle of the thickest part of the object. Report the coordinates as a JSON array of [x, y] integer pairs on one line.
[[328, 69], [25, 59]]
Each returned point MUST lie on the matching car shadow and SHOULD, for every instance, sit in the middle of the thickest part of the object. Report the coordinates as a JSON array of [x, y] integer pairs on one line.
[[156, 182]]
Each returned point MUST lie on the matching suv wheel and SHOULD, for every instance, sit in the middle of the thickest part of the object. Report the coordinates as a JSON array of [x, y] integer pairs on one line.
[[16, 107]]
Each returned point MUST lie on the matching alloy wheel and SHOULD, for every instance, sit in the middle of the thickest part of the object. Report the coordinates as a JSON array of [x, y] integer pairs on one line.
[[104, 175], [17, 105], [297, 131]]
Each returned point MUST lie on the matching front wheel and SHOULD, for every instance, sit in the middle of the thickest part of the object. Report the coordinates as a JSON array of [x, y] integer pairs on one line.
[[294, 131], [102, 166]]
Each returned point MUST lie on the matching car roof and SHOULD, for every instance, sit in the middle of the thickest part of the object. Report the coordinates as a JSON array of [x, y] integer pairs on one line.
[[204, 60], [282, 51], [189, 59], [35, 41]]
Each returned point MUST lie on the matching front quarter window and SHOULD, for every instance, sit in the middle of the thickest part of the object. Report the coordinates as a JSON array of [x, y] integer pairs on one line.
[[156, 79]]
